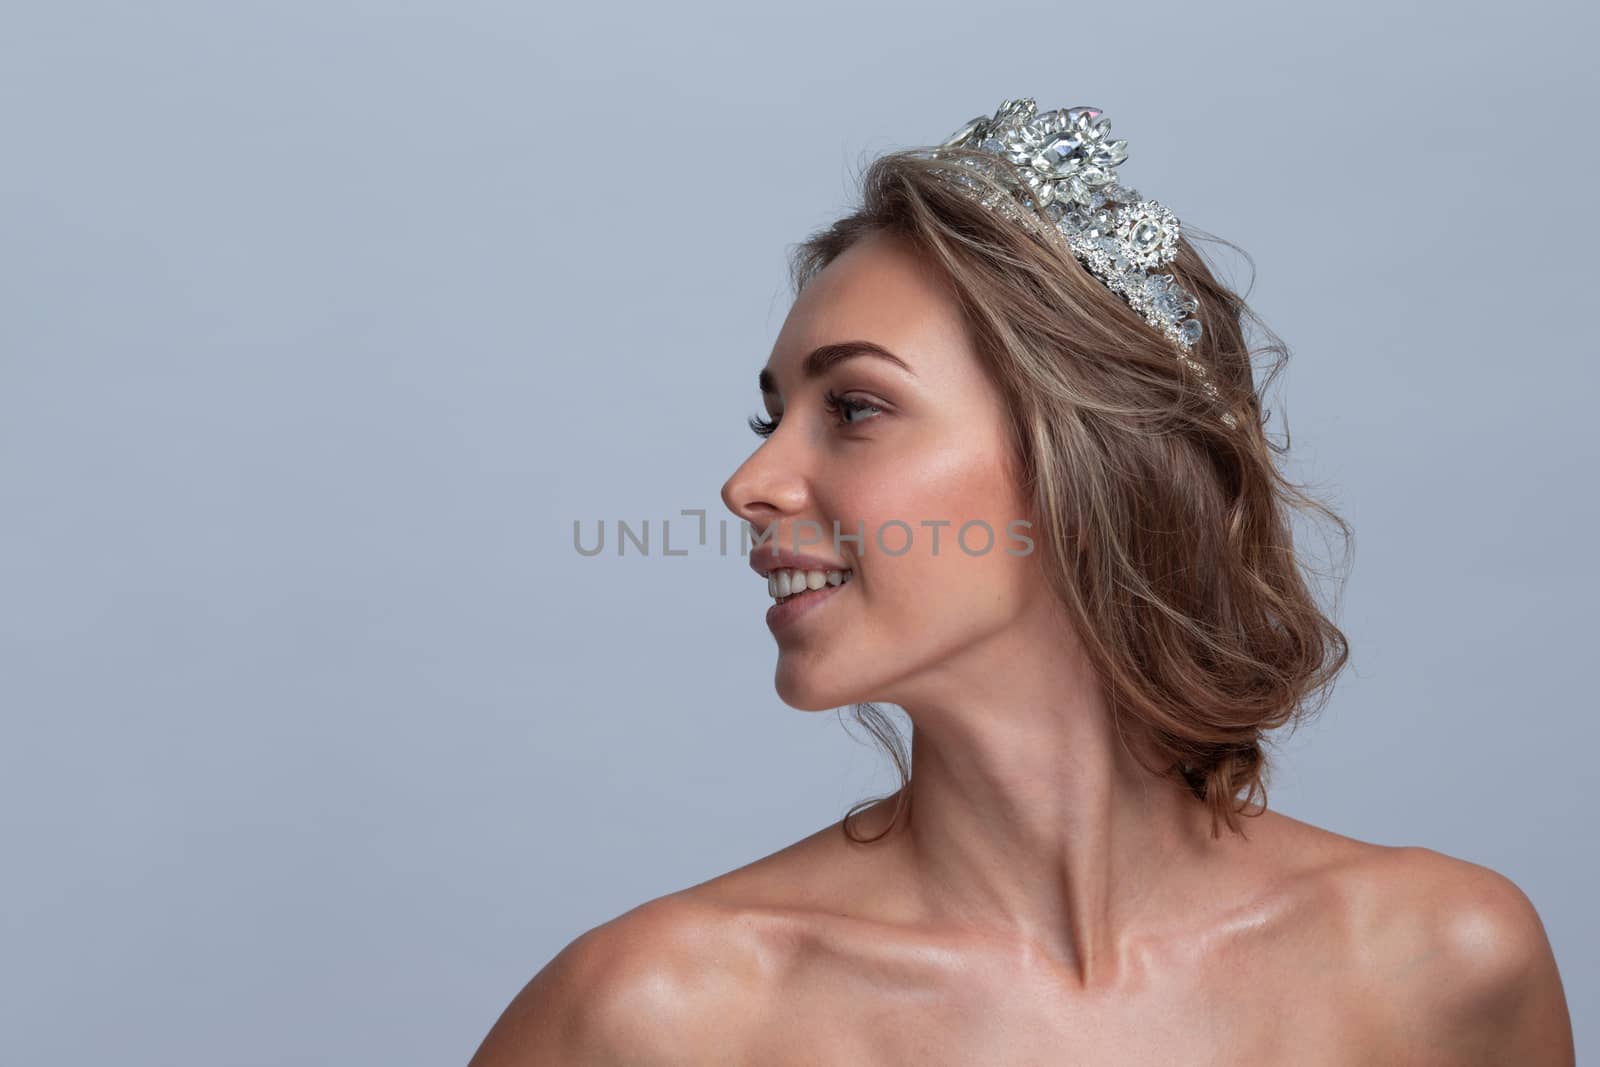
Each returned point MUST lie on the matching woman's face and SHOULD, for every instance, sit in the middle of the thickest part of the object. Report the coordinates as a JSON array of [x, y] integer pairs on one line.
[[907, 449]]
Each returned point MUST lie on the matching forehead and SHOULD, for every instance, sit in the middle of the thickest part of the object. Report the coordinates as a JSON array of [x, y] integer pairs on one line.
[[878, 290]]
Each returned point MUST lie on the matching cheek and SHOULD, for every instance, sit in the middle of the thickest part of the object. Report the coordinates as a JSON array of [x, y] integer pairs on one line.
[[975, 574]]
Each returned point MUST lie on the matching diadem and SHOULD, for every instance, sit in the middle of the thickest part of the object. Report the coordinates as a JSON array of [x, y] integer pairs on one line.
[[1067, 163]]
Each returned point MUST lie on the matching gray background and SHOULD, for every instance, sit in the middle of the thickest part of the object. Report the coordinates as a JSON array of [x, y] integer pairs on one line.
[[321, 323]]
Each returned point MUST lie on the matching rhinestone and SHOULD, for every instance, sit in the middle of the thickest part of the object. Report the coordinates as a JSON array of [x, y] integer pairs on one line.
[[1067, 161]]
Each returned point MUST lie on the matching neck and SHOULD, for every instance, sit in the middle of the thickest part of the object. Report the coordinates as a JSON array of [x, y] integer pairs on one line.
[[1030, 819]]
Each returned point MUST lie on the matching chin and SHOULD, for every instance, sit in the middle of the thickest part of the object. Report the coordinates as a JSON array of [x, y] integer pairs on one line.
[[801, 690]]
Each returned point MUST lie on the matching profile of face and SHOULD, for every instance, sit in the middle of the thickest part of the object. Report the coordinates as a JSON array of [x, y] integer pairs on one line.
[[887, 441]]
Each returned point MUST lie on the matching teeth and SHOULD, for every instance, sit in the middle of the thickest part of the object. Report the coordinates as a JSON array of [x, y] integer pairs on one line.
[[781, 584]]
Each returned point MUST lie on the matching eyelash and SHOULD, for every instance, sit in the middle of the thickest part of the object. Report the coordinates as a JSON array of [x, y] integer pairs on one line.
[[832, 402]]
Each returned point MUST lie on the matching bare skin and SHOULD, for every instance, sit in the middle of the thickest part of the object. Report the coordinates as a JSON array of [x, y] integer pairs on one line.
[[1309, 948], [1046, 900]]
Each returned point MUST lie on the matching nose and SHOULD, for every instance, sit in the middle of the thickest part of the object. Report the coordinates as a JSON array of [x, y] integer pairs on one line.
[[765, 487]]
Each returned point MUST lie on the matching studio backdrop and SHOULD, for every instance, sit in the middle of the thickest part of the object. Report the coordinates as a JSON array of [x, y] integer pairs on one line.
[[322, 326]]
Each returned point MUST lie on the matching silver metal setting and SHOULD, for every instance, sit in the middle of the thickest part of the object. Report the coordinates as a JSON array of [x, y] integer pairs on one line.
[[1067, 162]]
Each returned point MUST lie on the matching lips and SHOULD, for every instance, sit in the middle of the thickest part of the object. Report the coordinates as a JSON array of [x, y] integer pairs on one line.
[[786, 612], [769, 558]]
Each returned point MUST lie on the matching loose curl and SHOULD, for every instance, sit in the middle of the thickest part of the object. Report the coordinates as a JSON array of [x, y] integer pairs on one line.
[[1166, 533]]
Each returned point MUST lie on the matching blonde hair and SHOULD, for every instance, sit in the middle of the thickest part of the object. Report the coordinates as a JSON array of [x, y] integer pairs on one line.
[[1165, 532]]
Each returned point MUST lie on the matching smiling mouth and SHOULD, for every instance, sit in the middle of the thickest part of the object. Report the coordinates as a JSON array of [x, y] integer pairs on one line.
[[785, 585]]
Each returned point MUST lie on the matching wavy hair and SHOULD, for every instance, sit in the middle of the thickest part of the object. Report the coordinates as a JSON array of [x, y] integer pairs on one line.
[[1166, 533]]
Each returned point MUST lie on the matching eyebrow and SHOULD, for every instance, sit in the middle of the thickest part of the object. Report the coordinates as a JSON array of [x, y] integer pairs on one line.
[[821, 359]]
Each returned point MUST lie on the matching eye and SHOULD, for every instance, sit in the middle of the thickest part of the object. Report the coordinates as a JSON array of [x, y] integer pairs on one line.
[[837, 405], [841, 407]]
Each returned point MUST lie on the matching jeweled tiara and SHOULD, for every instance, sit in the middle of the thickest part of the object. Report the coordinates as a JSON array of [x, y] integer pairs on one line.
[[1067, 163]]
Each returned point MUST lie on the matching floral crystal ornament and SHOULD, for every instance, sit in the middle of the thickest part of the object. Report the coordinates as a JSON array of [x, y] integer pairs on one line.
[[1067, 162]]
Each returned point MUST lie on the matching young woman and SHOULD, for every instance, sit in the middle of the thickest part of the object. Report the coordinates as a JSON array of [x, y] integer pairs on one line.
[[1015, 480]]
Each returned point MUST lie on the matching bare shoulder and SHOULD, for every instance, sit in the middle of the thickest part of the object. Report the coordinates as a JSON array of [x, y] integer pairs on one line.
[[1454, 961], [1447, 960], [681, 979], [660, 984]]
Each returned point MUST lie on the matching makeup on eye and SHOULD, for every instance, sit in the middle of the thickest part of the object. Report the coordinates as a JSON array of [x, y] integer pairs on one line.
[[841, 406]]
